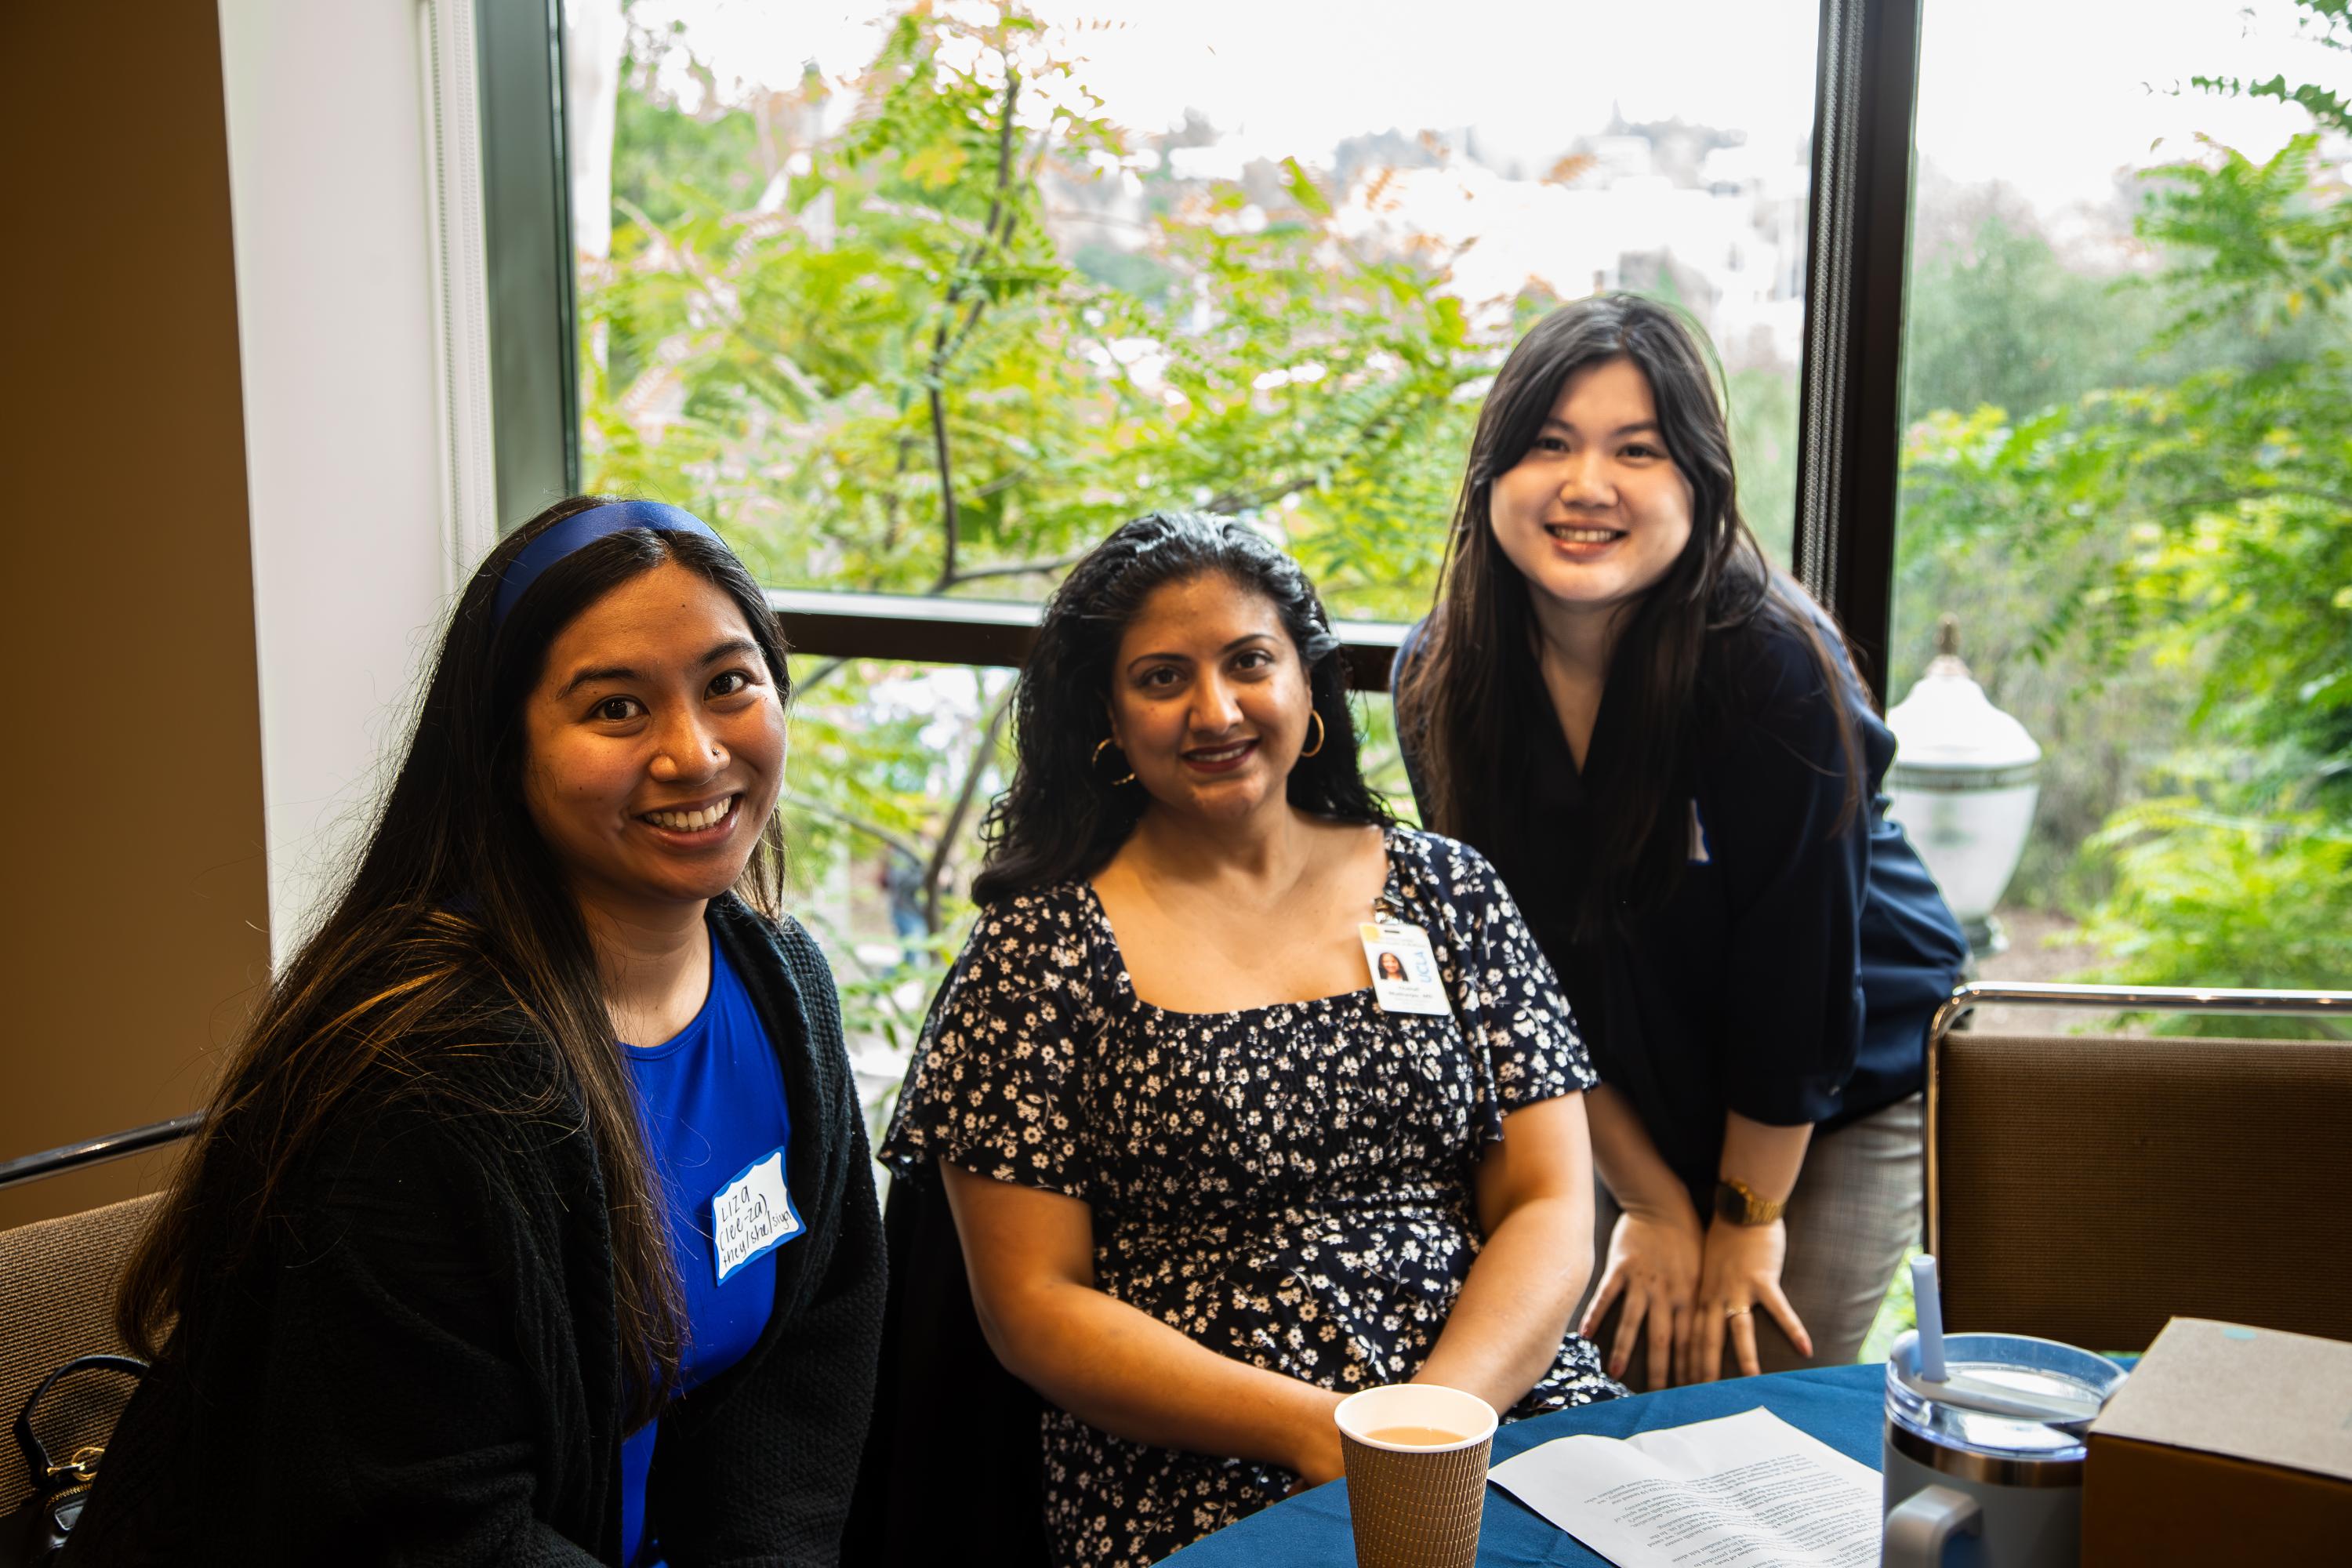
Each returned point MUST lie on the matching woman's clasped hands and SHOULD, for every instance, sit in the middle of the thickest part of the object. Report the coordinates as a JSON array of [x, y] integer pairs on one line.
[[1691, 1287]]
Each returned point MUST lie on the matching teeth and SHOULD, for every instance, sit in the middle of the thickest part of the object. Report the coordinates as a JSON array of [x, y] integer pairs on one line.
[[692, 821], [1583, 535], [1219, 756]]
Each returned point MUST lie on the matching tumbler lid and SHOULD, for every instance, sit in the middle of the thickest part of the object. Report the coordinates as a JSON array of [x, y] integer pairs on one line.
[[2005, 1395]]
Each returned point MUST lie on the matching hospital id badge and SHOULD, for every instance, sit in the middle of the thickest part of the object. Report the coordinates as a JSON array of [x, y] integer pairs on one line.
[[751, 1215], [1404, 971]]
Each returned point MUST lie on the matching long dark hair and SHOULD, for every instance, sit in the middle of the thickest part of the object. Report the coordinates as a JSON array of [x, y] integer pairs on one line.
[[456, 927], [1064, 817], [1463, 702]]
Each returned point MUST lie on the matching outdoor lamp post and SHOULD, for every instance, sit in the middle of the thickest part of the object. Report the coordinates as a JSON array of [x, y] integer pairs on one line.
[[1963, 787]]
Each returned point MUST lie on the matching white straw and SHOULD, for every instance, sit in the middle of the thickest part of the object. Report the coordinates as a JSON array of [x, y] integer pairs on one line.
[[1927, 1305]]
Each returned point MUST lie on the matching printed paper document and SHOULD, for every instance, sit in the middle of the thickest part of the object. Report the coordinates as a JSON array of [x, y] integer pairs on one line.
[[1746, 1492]]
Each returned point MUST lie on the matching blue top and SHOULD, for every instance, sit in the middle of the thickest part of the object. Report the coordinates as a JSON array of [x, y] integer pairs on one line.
[[1791, 973], [712, 1100]]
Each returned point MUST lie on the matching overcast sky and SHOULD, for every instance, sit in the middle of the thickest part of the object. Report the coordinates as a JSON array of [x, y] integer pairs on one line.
[[2053, 96]]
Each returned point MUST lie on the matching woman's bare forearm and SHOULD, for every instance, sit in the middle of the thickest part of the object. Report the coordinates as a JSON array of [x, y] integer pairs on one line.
[[1506, 1327], [1116, 1367], [1638, 1175], [1533, 1191], [1764, 1158], [1112, 1364]]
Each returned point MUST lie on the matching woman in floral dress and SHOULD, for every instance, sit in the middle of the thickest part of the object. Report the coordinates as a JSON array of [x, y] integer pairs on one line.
[[1207, 1183]]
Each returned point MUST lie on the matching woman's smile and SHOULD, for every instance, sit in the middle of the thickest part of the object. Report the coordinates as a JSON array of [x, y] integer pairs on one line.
[[1584, 540], [1221, 758], [696, 824]]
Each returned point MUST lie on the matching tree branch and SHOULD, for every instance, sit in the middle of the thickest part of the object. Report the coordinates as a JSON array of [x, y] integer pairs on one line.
[[1231, 503], [825, 670], [1000, 209], [875, 831], [953, 825], [1018, 568], [1003, 482], [890, 499], [950, 521], [2264, 492]]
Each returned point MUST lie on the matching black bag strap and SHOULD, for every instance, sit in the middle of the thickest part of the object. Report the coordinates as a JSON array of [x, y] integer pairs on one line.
[[47, 1475]]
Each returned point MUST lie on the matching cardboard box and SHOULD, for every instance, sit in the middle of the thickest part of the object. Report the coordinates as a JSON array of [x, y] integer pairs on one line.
[[2227, 1444]]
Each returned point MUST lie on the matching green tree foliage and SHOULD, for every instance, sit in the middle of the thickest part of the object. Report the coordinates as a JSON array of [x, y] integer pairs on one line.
[[861, 353], [2193, 536], [886, 376], [2002, 321]]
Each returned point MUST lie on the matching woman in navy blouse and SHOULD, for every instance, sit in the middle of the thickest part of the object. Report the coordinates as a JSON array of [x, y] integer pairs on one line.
[[1660, 743]]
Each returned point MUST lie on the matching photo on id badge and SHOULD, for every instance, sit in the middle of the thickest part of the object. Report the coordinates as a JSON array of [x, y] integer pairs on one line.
[[1404, 971]]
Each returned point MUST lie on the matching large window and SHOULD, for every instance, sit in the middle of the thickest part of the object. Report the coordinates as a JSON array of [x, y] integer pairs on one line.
[[924, 300], [928, 301], [2130, 412]]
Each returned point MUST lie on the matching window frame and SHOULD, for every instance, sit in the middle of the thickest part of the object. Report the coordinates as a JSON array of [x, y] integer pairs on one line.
[[839, 623], [533, 314], [1857, 266], [1848, 413]]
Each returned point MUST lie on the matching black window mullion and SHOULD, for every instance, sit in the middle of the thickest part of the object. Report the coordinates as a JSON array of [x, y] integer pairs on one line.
[[829, 624], [527, 244], [1850, 415]]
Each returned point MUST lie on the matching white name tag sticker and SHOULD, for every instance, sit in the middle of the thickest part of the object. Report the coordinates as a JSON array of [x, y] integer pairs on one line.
[[1404, 971], [752, 1215]]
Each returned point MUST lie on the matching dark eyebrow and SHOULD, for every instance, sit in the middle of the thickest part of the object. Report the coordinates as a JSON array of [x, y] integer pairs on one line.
[[1619, 434], [587, 677], [731, 646], [1244, 638]]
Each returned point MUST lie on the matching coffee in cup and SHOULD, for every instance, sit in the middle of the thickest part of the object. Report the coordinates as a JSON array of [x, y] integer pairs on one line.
[[1417, 1436]]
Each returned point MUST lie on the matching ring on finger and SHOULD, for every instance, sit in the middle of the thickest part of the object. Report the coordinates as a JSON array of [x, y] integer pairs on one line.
[[1736, 1311]]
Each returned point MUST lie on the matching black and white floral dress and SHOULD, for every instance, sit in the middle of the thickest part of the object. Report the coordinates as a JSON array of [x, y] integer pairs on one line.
[[1289, 1186]]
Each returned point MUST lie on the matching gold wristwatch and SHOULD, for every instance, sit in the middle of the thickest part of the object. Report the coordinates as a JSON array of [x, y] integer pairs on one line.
[[1736, 1202]]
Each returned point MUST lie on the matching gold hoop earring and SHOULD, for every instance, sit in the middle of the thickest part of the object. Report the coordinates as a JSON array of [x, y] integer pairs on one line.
[[1102, 745], [1320, 734]]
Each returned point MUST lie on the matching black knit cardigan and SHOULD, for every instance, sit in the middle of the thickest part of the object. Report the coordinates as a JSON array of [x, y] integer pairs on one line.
[[422, 1366]]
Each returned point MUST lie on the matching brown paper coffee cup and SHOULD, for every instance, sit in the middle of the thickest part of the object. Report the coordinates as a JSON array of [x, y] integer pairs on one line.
[[1415, 1503]]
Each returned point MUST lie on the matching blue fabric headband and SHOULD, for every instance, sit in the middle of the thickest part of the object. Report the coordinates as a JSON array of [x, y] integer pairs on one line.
[[585, 528]]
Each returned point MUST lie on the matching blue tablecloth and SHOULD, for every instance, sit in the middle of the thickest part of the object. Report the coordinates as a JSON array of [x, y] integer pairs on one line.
[[1841, 1406]]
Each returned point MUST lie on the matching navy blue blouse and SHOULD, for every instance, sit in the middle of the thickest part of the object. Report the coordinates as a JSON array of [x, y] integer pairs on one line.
[[1791, 973]]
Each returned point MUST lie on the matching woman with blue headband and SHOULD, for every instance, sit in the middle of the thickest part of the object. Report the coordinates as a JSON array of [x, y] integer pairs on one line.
[[532, 1221]]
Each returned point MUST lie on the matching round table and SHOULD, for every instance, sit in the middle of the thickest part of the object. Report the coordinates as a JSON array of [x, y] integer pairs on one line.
[[1841, 1406]]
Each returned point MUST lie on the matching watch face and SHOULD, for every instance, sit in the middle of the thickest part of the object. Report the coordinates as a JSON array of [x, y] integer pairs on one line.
[[1739, 1206]]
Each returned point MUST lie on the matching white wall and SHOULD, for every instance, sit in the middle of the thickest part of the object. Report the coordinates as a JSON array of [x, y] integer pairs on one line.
[[346, 406]]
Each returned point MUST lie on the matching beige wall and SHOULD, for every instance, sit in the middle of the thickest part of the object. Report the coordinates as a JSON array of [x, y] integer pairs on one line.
[[134, 931]]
